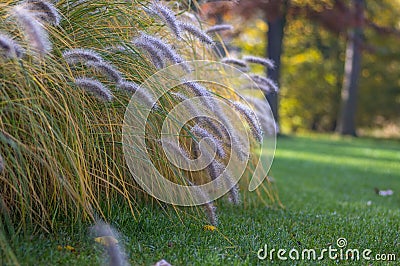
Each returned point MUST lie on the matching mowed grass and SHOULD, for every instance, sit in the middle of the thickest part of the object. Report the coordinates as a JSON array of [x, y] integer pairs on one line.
[[325, 183]]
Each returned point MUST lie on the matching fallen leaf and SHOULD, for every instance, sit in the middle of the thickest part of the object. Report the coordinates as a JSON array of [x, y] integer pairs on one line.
[[209, 228], [70, 248], [106, 240]]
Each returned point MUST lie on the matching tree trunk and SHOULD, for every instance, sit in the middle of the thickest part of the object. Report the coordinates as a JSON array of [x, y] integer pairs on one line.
[[346, 119], [274, 51]]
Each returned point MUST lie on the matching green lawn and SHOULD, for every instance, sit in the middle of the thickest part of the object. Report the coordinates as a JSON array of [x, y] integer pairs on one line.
[[325, 184]]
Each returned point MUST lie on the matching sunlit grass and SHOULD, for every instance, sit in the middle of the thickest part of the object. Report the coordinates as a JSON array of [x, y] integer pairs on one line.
[[322, 203]]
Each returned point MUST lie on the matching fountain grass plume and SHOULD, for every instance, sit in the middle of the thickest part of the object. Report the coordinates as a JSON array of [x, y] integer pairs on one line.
[[209, 207], [35, 34], [195, 31], [259, 60], [155, 55], [218, 28], [47, 11], [265, 84], [106, 69], [128, 86], [251, 119], [168, 16], [197, 89], [175, 147], [111, 241], [201, 132], [164, 48], [78, 55], [200, 91], [94, 87], [141, 94], [9, 47], [237, 62]]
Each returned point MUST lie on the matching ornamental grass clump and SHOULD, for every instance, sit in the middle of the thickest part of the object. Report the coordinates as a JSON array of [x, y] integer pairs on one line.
[[61, 122]]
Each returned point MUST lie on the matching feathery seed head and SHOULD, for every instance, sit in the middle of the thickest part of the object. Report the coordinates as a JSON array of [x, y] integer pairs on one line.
[[218, 28], [251, 119], [166, 49], [155, 55], [94, 87], [128, 86], [79, 55], [111, 242], [168, 16], [197, 89], [47, 11], [198, 131], [266, 84], [259, 60], [195, 31], [10, 48], [237, 62], [106, 69], [34, 33]]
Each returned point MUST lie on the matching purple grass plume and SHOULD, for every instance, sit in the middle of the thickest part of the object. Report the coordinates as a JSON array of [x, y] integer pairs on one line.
[[209, 207], [111, 241], [128, 86], [46, 11], [155, 55], [242, 65], [251, 119], [106, 69], [195, 31], [74, 56], [35, 34], [164, 48], [168, 16], [94, 87], [10, 48], [201, 132], [259, 60], [141, 93], [265, 83], [218, 28]]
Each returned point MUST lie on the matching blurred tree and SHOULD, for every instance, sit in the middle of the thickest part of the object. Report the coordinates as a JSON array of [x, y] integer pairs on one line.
[[346, 120], [315, 36]]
